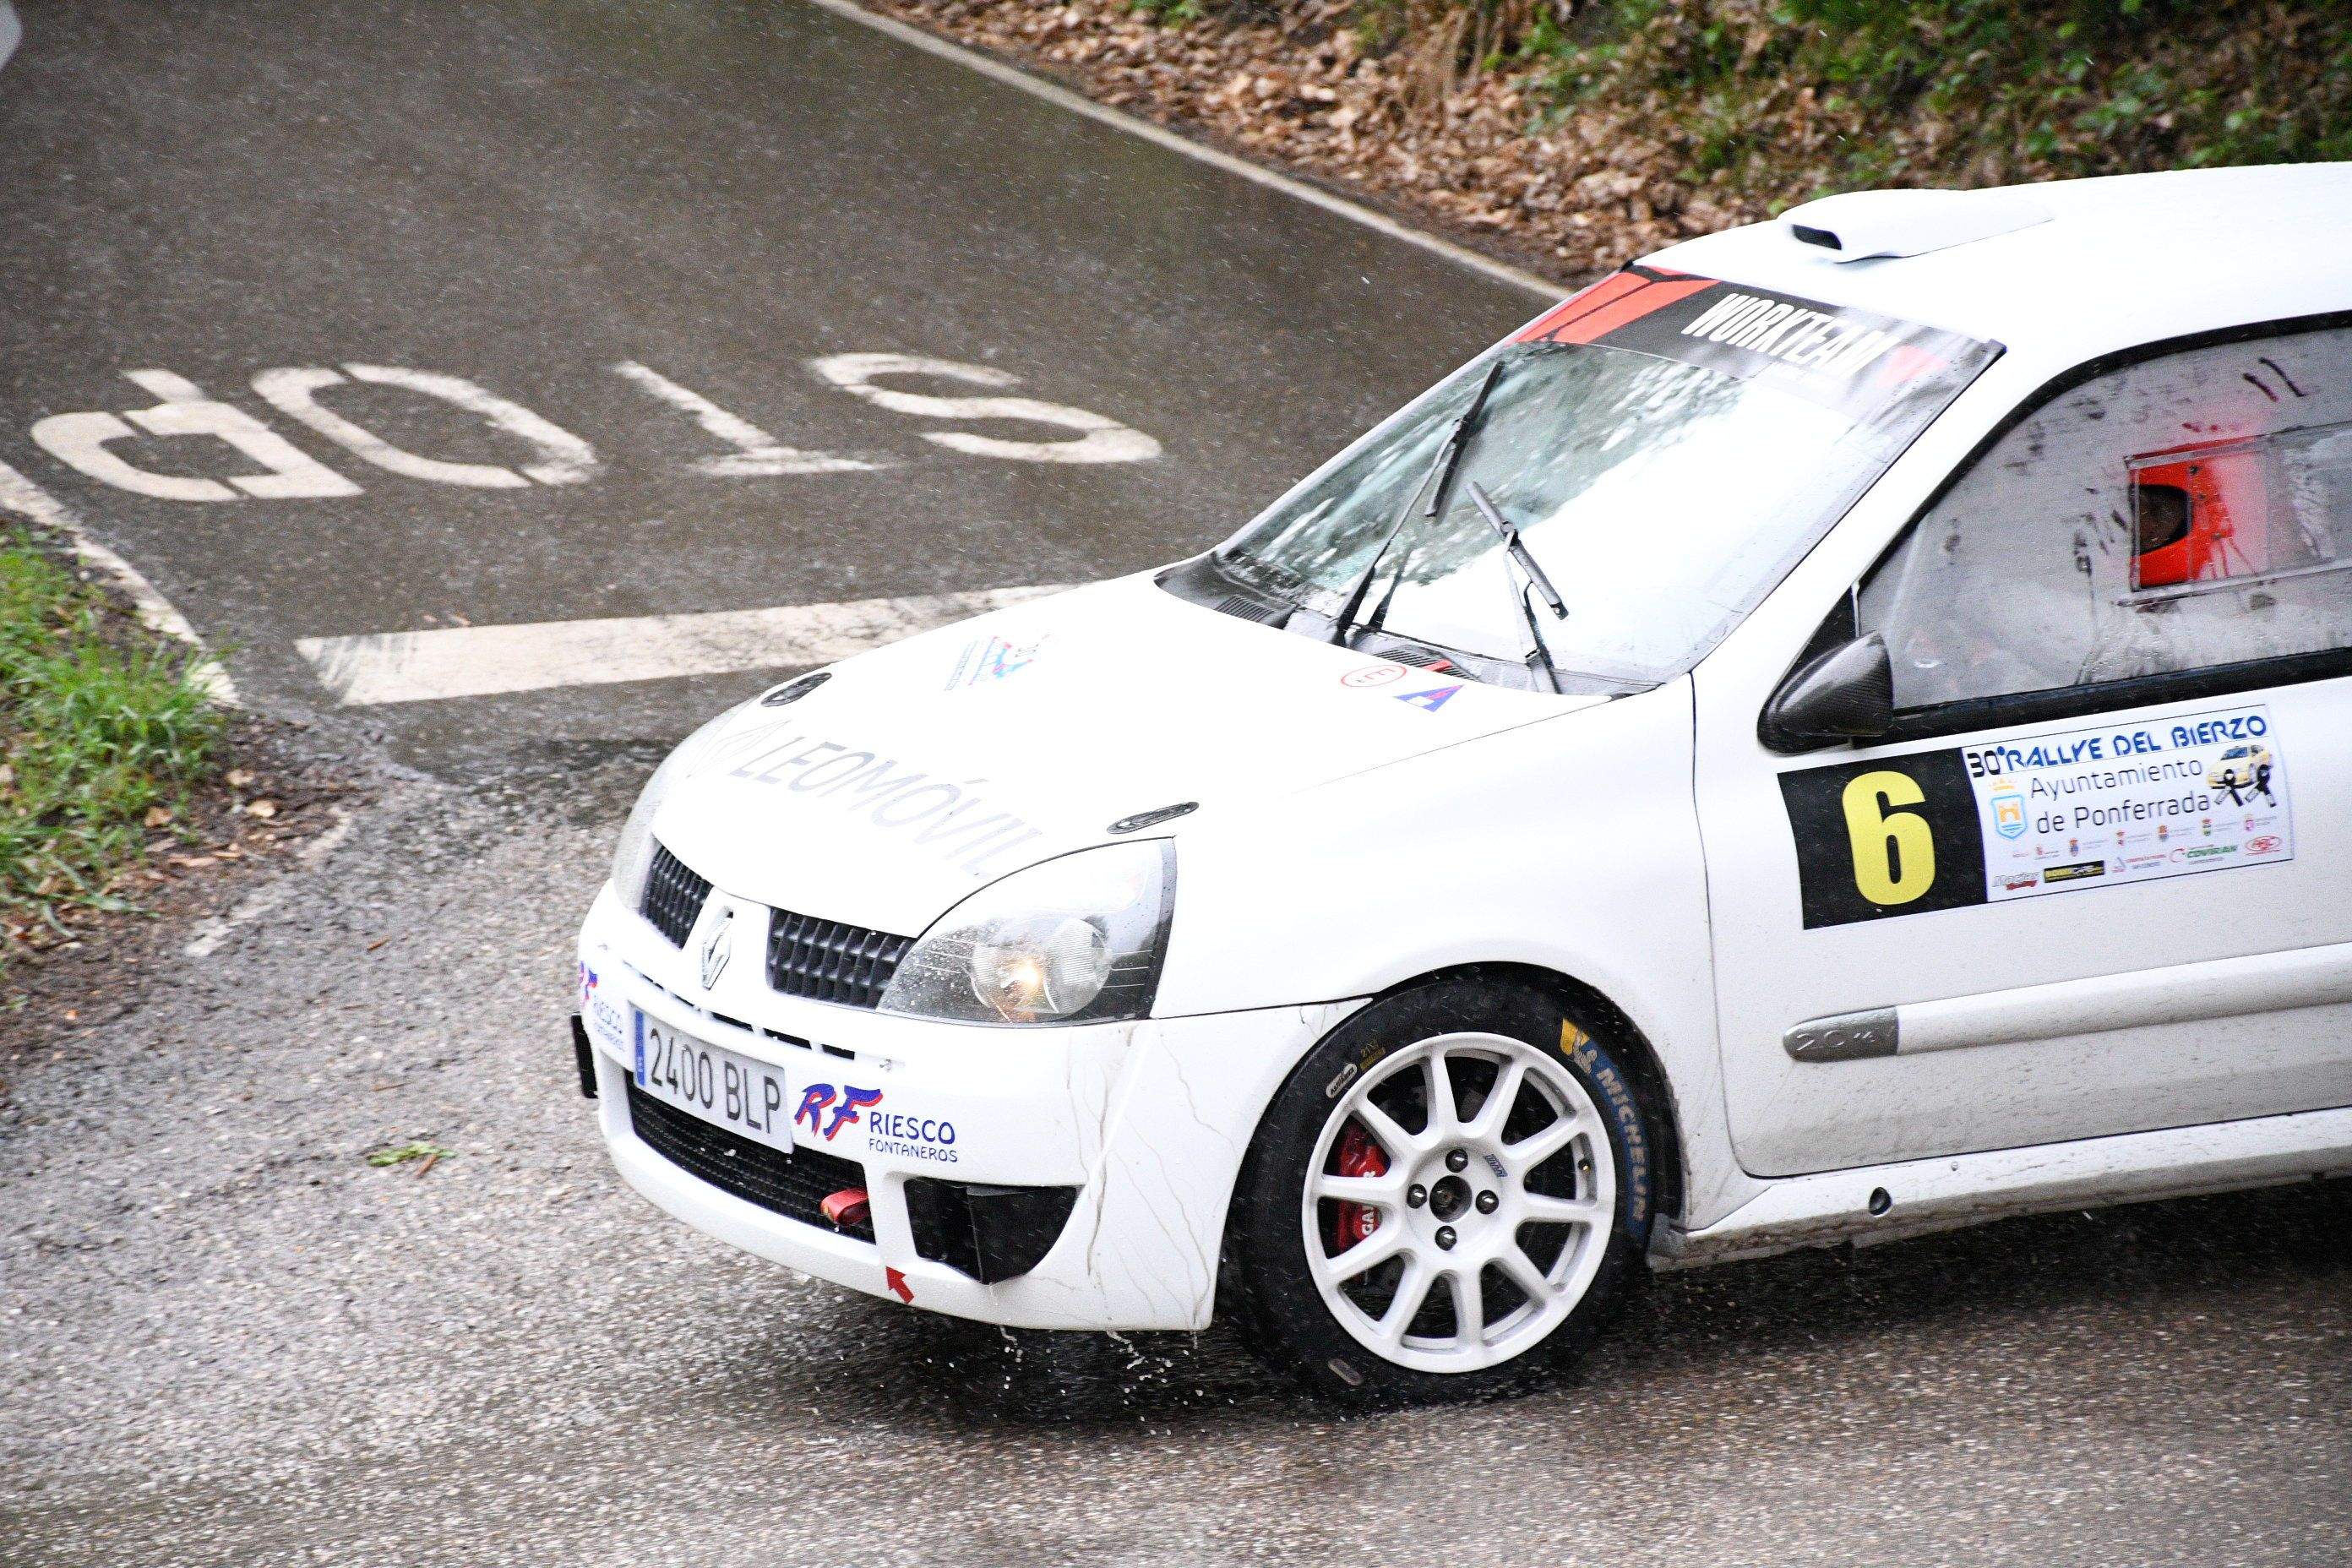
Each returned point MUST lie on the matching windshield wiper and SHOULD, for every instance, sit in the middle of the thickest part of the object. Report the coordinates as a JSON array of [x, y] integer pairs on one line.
[[1524, 559], [1440, 469]]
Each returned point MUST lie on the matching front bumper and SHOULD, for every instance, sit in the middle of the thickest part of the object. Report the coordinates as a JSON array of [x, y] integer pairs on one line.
[[1148, 1121]]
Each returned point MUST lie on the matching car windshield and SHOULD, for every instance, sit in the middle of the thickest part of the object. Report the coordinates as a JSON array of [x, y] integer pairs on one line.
[[1664, 490]]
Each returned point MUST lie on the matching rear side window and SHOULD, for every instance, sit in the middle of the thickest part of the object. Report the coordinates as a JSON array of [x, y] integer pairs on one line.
[[2186, 512]]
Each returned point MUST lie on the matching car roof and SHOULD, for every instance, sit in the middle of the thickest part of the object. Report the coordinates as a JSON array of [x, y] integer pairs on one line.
[[2122, 260]]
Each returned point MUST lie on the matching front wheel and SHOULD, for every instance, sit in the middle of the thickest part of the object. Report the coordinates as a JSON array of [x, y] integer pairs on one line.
[[1445, 1198]]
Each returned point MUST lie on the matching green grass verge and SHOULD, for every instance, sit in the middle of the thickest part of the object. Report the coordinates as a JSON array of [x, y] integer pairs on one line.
[[101, 724]]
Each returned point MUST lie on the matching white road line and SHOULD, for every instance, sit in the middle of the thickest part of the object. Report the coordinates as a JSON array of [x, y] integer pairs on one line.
[[1314, 196], [481, 661], [158, 614], [212, 932]]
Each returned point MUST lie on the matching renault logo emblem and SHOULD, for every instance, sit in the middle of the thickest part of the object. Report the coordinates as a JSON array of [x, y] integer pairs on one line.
[[716, 948]]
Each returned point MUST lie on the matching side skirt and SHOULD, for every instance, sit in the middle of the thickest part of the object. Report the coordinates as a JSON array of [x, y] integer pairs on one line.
[[1888, 1203]]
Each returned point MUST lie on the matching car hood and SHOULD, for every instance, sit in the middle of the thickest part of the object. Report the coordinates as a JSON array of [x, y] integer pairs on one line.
[[921, 771]]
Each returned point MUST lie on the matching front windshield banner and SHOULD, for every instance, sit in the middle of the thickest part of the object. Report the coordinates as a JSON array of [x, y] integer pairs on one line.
[[1863, 365]]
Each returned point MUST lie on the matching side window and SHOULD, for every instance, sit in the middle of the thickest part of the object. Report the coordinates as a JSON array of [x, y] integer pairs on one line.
[[2184, 512]]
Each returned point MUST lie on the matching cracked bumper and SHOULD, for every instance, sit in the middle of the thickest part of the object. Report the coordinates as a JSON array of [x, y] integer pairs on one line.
[[1148, 1120]]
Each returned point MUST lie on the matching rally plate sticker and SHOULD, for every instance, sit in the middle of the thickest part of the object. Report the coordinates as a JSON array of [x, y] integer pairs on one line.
[[2052, 814]]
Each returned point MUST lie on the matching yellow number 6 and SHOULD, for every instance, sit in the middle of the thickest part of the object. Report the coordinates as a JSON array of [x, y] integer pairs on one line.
[[1885, 839]]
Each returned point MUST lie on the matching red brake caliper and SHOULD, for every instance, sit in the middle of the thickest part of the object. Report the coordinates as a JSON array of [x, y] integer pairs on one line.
[[1359, 1156]]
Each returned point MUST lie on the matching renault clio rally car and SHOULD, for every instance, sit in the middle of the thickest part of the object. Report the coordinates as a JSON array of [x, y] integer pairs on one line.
[[1736, 767]]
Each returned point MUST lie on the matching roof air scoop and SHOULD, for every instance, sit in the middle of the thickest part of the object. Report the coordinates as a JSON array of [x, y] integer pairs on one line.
[[1861, 225]]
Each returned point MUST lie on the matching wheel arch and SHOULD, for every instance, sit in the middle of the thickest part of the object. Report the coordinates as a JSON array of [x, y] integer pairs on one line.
[[1620, 1033], [1625, 1039]]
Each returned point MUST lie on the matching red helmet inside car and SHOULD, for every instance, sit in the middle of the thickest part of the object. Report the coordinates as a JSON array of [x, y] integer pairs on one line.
[[2200, 515]]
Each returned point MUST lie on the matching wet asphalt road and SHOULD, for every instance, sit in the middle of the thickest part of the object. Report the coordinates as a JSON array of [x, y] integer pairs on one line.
[[526, 196], [224, 1338]]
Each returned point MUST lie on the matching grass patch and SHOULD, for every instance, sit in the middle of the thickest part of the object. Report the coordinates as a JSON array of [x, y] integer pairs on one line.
[[103, 732]]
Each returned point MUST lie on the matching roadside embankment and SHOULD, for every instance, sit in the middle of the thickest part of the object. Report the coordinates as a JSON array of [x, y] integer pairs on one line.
[[1570, 137]]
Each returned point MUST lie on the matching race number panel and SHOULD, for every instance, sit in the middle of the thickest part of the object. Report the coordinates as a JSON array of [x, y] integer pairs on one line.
[[2050, 814], [1897, 836]]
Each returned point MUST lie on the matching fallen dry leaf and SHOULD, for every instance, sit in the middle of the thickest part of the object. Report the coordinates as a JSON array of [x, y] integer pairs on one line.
[[158, 816], [264, 809], [239, 777]]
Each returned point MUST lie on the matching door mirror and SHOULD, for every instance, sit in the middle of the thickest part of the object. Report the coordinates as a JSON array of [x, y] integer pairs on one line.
[[1845, 694]]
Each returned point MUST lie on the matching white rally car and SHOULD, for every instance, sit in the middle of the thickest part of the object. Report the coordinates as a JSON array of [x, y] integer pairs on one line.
[[1738, 766]]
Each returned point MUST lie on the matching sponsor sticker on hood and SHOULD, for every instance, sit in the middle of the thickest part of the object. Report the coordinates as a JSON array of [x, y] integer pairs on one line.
[[953, 818]]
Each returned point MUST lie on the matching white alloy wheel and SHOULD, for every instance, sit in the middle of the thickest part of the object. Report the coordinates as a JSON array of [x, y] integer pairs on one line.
[[1463, 1241]]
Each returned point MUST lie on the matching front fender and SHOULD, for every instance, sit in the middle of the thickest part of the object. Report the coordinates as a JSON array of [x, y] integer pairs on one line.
[[1570, 845]]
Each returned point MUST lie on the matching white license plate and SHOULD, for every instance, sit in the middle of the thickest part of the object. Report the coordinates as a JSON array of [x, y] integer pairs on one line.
[[733, 1091]]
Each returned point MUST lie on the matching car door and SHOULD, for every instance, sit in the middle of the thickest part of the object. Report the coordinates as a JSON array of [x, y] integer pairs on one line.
[[2097, 875]]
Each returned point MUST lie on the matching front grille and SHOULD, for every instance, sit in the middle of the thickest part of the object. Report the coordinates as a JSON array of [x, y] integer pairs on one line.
[[830, 962], [674, 896], [793, 1185]]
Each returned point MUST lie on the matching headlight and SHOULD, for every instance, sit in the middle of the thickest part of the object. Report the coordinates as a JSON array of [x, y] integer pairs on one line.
[[632, 856], [1077, 939]]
